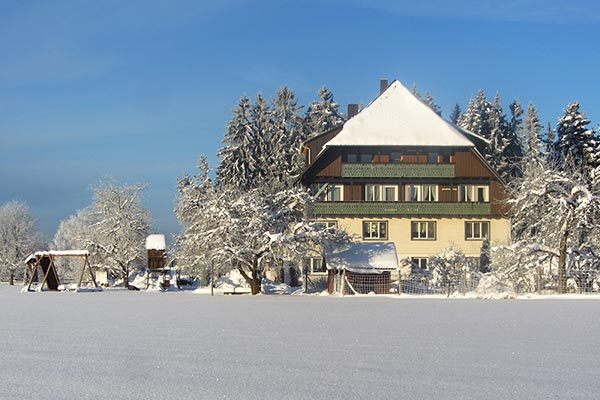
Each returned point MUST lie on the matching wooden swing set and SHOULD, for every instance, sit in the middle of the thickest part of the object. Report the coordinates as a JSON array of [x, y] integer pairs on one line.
[[44, 261]]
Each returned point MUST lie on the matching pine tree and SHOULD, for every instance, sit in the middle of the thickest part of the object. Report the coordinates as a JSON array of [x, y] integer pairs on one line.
[[476, 117], [288, 136], [531, 137], [238, 165], [321, 115], [415, 92], [428, 101], [455, 114], [497, 131], [576, 143]]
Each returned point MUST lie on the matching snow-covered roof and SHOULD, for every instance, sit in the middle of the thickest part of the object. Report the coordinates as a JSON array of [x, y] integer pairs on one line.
[[57, 253], [156, 242], [398, 118], [363, 257]]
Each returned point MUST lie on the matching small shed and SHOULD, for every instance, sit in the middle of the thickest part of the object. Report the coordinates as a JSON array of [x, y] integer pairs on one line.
[[362, 267], [156, 248]]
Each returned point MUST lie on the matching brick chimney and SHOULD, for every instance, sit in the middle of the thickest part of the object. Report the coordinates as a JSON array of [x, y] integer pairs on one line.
[[383, 84], [352, 110]]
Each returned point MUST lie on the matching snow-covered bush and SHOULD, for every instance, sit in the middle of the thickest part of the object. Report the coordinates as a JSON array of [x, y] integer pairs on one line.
[[452, 271]]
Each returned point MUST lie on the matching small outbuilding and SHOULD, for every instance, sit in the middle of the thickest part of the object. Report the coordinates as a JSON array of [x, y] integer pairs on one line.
[[362, 268]]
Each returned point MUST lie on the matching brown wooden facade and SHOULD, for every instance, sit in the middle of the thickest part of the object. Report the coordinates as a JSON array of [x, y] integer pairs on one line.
[[469, 168]]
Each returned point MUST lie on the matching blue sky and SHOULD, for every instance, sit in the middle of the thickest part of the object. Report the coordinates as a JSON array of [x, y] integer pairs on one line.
[[137, 90]]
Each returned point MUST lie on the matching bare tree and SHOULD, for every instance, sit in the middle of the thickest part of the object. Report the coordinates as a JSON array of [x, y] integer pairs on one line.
[[120, 226], [18, 237]]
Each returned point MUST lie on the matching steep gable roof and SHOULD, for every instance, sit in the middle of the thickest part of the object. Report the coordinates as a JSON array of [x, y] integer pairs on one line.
[[398, 118]]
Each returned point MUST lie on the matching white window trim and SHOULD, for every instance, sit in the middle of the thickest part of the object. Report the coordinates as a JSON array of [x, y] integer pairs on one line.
[[426, 230], [311, 261], [473, 190], [417, 260], [379, 224], [421, 188], [481, 223], [380, 190]]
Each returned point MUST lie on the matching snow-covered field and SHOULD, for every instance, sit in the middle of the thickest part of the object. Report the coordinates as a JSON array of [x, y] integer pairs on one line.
[[150, 345]]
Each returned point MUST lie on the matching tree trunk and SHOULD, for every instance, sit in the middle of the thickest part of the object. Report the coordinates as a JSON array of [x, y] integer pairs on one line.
[[11, 278], [126, 278], [562, 263]]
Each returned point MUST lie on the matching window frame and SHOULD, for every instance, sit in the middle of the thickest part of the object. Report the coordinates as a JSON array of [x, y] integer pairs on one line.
[[481, 236], [421, 189], [472, 190], [310, 263], [419, 260], [379, 225], [379, 191], [418, 231]]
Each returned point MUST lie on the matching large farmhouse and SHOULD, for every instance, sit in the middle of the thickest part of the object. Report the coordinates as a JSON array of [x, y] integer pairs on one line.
[[398, 172]]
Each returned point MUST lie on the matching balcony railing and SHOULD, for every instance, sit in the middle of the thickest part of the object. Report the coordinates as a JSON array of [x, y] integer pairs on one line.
[[350, 170], [401, 208]]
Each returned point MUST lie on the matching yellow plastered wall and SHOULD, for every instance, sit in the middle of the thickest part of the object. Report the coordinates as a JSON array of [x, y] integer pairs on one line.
[[449, 231]]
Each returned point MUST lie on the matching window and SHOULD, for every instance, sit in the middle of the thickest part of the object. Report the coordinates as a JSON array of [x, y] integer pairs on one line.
[[473, 193], [432, 158], [366, 157], [477, 230], [421, 262], [352, 158], [314, 265], [422, 230], [381, 193], [421, 192], [374, 230], [329, 193], [395, 156], [326, 224]]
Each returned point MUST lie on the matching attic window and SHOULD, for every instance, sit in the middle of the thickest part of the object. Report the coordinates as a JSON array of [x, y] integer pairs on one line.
[[366, 158], [352, 158]]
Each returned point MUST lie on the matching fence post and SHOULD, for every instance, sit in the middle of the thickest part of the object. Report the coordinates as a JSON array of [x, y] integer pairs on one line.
[[539, 280]]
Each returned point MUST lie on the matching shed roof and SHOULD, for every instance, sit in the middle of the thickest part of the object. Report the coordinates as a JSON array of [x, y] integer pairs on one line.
[[156, 242], [398, 118], [371, 257]]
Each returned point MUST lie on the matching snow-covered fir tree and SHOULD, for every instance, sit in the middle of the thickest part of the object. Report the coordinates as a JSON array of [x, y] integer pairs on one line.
[[476, 117], [287, 159], [532, 133], [430, 102], [576, 143], [322, 115], [455, 113], [240, 166]]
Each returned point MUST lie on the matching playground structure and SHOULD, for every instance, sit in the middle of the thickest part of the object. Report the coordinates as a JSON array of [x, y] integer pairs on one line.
[[44, 261], [157, 270]]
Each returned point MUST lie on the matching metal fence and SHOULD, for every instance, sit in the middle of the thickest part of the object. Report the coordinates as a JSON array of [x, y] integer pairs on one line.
[[465, 283]]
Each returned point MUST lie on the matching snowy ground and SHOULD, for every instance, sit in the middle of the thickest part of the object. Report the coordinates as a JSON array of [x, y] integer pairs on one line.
[[149, 345]]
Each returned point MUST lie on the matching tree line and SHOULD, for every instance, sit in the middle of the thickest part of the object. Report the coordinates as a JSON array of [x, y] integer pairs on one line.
[[250, 211]]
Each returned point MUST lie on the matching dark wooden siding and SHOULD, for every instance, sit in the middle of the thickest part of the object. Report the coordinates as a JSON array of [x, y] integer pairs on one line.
[[353, 192], [498, 197], [469, 165], [316, 145], [332, 167], [448, 194]]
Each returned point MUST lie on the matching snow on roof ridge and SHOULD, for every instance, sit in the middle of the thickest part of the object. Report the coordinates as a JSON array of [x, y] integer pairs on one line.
[[156, 242], [397, 118]]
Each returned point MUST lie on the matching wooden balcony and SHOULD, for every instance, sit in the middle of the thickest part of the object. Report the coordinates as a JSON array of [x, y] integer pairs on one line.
[[363, 208], [351, 170]]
